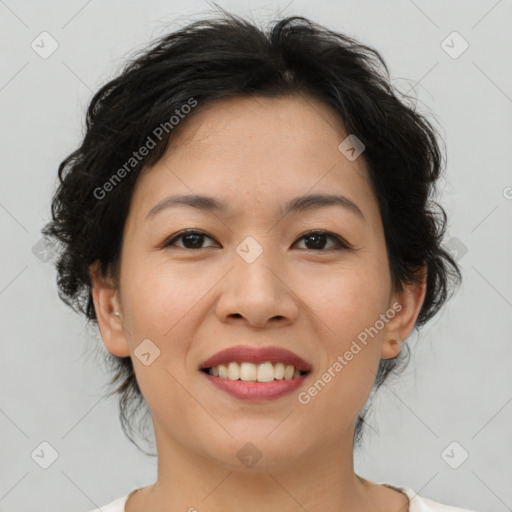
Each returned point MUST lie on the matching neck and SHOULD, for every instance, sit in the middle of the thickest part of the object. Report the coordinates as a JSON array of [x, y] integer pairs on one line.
[[323, 481]]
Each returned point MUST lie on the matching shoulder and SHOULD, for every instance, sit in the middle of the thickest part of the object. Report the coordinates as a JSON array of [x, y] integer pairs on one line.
[[422, 504], [114, 506], [418, 503]]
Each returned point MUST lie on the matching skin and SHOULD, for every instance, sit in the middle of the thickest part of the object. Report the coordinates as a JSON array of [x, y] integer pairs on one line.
[[255, 154]]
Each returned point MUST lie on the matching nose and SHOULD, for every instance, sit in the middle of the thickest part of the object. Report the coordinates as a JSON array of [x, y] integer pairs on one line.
[[258, 294]]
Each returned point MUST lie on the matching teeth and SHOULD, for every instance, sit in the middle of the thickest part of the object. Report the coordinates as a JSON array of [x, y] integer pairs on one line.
[[233, 371], [265, 372], [249, 372], [279, 371], [223, 371]]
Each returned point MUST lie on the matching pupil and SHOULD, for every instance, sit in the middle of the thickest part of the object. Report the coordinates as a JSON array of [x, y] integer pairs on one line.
[[318, 240], [317, 243], [197, 240]]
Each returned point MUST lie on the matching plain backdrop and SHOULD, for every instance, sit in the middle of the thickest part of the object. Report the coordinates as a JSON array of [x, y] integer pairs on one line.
[[454, 402]]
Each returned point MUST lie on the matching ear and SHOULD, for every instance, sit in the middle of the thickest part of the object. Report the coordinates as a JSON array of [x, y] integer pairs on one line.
[[407, 305], [106, 303]]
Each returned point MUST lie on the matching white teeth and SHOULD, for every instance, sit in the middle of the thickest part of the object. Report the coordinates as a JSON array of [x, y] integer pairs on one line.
[[223, 371], [249, 372], [265, 372], [288, 372], [233, 371], [279, 371]]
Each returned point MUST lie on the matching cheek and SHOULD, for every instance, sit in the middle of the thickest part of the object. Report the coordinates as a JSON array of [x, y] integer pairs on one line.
[[159, 306], [349, 300], [157, 297], [349, 308]]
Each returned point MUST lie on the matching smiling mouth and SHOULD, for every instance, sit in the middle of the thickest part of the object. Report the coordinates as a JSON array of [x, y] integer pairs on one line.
[[250, 372]]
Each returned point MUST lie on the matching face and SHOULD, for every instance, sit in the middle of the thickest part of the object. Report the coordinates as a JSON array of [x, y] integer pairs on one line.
[[253, 275]]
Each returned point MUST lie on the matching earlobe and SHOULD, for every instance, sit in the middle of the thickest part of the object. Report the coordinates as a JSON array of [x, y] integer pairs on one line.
[[108, 314], [391, 349]]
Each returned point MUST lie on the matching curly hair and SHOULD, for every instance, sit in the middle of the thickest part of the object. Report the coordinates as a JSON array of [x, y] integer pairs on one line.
[[225, 57]]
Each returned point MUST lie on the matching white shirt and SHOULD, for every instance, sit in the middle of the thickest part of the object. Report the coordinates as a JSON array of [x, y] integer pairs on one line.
[[418, 503]]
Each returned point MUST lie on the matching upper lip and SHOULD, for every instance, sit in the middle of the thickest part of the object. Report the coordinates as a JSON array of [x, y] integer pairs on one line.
[[256, 355]]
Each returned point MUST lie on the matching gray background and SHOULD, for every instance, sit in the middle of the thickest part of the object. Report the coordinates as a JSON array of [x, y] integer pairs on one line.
[[458, 385]]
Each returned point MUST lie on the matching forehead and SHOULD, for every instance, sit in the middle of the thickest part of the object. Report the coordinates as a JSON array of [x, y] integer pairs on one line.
[[275, 123], [257, 151]]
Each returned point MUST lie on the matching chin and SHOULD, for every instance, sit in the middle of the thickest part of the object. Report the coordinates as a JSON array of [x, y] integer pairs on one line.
[[255, 450]]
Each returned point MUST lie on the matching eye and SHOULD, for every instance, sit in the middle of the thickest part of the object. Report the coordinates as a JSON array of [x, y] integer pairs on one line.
[[317, 239], [191, 239]]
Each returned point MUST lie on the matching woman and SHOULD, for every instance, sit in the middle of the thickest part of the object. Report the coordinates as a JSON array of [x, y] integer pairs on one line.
[[249, 222]]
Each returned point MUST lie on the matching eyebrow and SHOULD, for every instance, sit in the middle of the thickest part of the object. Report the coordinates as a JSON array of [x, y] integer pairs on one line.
[[296, 205]]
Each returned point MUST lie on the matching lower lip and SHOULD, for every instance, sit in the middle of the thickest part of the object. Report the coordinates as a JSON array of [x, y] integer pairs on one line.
[[256, 390]]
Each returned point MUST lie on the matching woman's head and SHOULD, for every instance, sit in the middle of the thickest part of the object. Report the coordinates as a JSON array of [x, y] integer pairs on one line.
[[254, 121]]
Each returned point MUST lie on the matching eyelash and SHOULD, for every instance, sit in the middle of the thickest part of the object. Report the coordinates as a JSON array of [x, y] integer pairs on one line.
[[340, 243]]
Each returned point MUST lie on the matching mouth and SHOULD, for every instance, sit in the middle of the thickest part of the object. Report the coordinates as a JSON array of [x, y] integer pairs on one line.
[[260, 364], [250, 372], [256, 372]]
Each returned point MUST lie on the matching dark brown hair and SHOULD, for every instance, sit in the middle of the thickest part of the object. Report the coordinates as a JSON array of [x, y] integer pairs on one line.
[[224, 57]]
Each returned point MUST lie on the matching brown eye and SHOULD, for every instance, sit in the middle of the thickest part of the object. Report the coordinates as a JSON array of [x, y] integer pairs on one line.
[[191, 239], [317, 240], [314, 240]]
